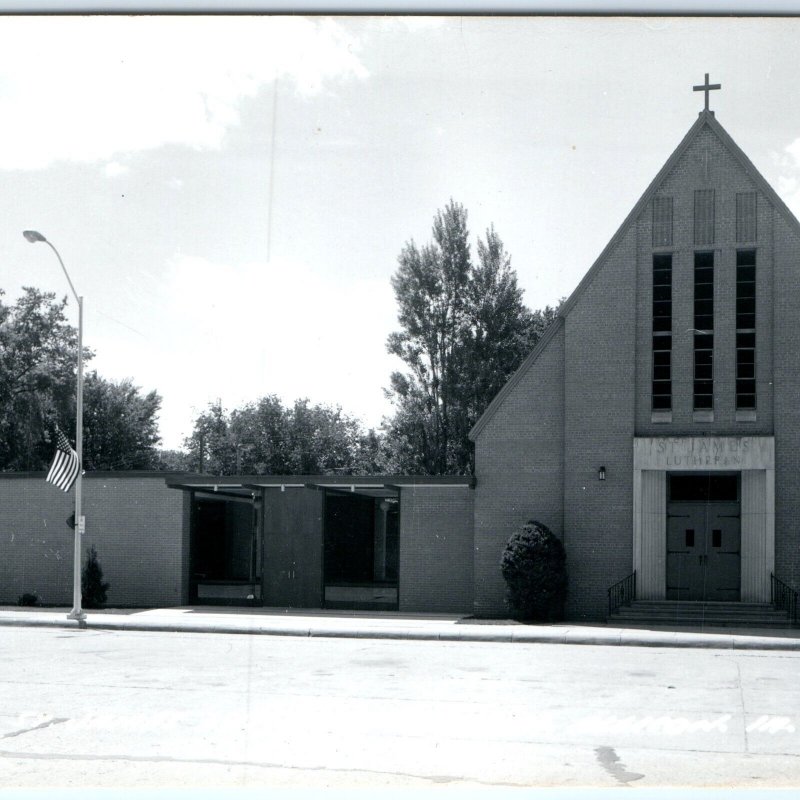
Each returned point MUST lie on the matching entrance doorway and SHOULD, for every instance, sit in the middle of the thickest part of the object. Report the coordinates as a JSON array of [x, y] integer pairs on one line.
[[361, 549], [225, 563], [703, 537]]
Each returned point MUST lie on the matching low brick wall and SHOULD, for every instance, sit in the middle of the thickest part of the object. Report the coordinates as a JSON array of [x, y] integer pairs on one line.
[[134, 521], [436, 549]]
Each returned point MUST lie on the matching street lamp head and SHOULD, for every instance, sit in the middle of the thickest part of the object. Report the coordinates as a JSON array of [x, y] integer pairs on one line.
[[33, 236]]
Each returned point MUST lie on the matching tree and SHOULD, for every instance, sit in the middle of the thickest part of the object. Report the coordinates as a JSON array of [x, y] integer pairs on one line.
[[38, 355], [210, 447], [464, 331], [38, 360], [94, 590], [120, 425], [267, 438]]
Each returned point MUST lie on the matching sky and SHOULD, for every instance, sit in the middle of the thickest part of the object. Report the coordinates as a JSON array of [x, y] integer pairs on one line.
[[230, 194]]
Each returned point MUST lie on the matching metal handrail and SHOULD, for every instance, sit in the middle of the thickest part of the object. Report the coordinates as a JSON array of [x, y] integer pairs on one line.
[[783, 597], [622, 593]]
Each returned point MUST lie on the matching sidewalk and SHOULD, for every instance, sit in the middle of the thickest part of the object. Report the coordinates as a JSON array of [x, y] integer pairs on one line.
[[374, 625]]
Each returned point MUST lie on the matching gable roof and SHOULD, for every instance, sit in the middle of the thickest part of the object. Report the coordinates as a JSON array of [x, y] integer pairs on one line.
[[705, 119]]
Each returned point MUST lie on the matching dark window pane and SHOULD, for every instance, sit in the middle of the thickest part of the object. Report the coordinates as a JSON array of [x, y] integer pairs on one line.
[[704, 322], [663, 342], [662, 402], [746, 321], [703, 357], [745, 340], [704, 341], [661, 386], [703, 387], [689, 537], [662, 358], [745, 370], [702, 402], [746, 386], [662, 294], [704, 259], [745, 258], [716, 537], [708, 487], [703, 372], [747, 401], [661, 373], [745, 356], [745, 305], [703, 307]]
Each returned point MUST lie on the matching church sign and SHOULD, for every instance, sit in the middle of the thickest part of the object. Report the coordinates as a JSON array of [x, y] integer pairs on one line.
[[704, 452]]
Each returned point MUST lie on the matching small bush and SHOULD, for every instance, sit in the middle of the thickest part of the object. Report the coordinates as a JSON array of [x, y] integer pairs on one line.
[[535, 571], [94, 590], [27, 599]]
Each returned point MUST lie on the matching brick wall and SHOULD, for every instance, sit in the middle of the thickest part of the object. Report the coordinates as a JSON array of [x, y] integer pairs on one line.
[[787, 403], [599, 409], [519, 463], [436, 536], [135, 523]]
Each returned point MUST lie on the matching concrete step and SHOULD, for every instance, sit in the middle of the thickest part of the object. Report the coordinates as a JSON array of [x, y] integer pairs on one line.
[[710, 622], [708, 613]]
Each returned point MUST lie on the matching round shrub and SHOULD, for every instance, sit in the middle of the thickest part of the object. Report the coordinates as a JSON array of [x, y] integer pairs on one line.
[[534, 567]]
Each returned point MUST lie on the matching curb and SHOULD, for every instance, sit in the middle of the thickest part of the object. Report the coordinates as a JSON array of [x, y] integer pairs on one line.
[[615, 637]]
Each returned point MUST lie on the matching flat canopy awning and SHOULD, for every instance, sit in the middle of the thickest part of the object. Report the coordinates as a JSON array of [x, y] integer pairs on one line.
[[220, 487], [369, 485]]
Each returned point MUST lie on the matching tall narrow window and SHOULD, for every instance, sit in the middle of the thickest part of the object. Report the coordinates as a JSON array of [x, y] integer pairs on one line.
[[746, 329], [662, 332], [662, 222], [746, 217], [704, 216], [703, 331]]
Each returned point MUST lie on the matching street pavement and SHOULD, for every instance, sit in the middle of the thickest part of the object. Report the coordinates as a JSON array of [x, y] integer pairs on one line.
[[98, 707], [437, 627]]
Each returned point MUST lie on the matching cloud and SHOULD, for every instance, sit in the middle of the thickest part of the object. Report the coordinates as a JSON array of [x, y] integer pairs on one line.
[[114, 169], [89, 88], [239, 332], [788, 183]]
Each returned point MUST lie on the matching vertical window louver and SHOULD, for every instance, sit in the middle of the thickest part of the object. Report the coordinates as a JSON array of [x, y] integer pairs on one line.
[[662, 222], [704, 216], [746, 217]]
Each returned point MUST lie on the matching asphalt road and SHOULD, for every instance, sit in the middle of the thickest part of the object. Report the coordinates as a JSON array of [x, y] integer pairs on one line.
[[108, 708]]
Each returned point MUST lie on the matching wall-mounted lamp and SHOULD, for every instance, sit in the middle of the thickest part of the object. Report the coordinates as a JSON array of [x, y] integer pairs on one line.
[[601, 474]]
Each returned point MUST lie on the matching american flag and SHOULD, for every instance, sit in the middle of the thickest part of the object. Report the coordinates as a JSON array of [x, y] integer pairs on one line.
[[65, 467]]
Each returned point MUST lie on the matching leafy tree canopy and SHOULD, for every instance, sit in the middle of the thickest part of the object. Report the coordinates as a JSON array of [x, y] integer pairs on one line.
[[38, 361], [267, 438], [464, 331]]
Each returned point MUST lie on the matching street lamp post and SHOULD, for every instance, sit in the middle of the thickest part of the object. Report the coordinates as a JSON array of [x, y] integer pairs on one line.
[[77, 612]]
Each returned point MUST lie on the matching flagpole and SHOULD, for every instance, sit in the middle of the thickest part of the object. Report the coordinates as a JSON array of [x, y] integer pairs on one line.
[[77, 612]]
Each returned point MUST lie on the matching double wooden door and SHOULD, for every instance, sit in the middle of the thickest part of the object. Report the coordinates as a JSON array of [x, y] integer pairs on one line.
[[703, 551]]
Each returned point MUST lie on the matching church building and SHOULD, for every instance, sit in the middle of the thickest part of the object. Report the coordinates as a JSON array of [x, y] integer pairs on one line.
[[655, 428]]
